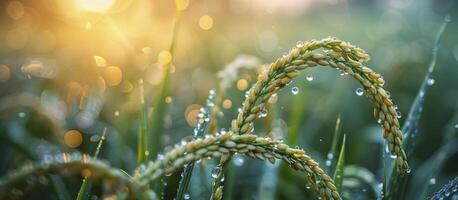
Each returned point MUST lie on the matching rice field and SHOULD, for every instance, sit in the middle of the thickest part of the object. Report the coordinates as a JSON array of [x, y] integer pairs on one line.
[[231, 99]]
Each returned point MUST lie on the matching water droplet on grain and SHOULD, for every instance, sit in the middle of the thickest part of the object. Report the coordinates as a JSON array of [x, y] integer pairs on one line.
[[432, 181], [215, 172], [398, 114], [430, 81], [295, 90], [264, 112], [299, 44], [359, 91], [238, 160], [309, 77]]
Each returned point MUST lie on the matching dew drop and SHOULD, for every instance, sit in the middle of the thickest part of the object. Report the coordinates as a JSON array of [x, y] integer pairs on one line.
[[309, 77], [21, 114], [299, 44], [398, 114], [430, 81], [456, 125], [359, 91], [432, 181], [330, 156], [186, 196], [238, 160], [264, 112], [295, 90], [328, 163], [215, 172]]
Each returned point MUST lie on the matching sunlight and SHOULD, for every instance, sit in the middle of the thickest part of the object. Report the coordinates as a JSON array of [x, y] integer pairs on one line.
[[99, 6]]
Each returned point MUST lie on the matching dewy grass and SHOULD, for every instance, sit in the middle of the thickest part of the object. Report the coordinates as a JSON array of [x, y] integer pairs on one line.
[[396, 185], [142, 144], [159, 104], [86, 185], [338, 172], [199, 132], [338, 54]]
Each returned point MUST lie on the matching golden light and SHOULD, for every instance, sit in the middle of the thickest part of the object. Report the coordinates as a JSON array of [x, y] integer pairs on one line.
[[168, 99], [126, 86], [15, 10], [101, 85], [227, 104], [112, 75], [242, 84], [206, 22], [100, 61], [181, 4], [97, 6], [164, 57], [16, 39], [116, 113], [190, 114], [5, 73], [73, 138]]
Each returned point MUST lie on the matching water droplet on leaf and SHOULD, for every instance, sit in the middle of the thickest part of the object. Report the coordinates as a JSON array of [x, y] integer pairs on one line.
[[359, 91], [295, 90]]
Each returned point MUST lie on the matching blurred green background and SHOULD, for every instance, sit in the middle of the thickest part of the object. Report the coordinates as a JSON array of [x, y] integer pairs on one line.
[[69, 68]]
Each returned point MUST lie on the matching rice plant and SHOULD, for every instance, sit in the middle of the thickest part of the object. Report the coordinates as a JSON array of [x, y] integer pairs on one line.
[[113, 99]]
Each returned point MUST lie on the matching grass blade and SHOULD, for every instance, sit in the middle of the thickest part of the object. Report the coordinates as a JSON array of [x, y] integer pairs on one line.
[[159, 105], [85, 188], [199, 132], [330, 157], [142, 140], [396, 185], [338, 172]]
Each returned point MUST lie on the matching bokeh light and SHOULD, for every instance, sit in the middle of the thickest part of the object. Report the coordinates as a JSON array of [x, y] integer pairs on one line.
[[73, 138], [5, 73], [242, 84], [190, 114], [206, 22], [98, 6], [15, 9], [227, 104], [112, 75]]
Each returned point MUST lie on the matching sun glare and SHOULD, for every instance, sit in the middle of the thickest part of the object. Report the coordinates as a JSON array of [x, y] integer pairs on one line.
[[98, 6]]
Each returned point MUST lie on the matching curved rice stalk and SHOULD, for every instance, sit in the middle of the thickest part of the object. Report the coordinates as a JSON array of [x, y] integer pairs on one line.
[[250, 145], [340, 55], [228, 76], [69, 164]]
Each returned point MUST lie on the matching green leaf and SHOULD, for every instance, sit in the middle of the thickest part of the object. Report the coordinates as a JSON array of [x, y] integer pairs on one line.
[[86, 186], [335, 139], [199, 132], [159, 104], [397, 184], [142, 145], [338, 172]]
